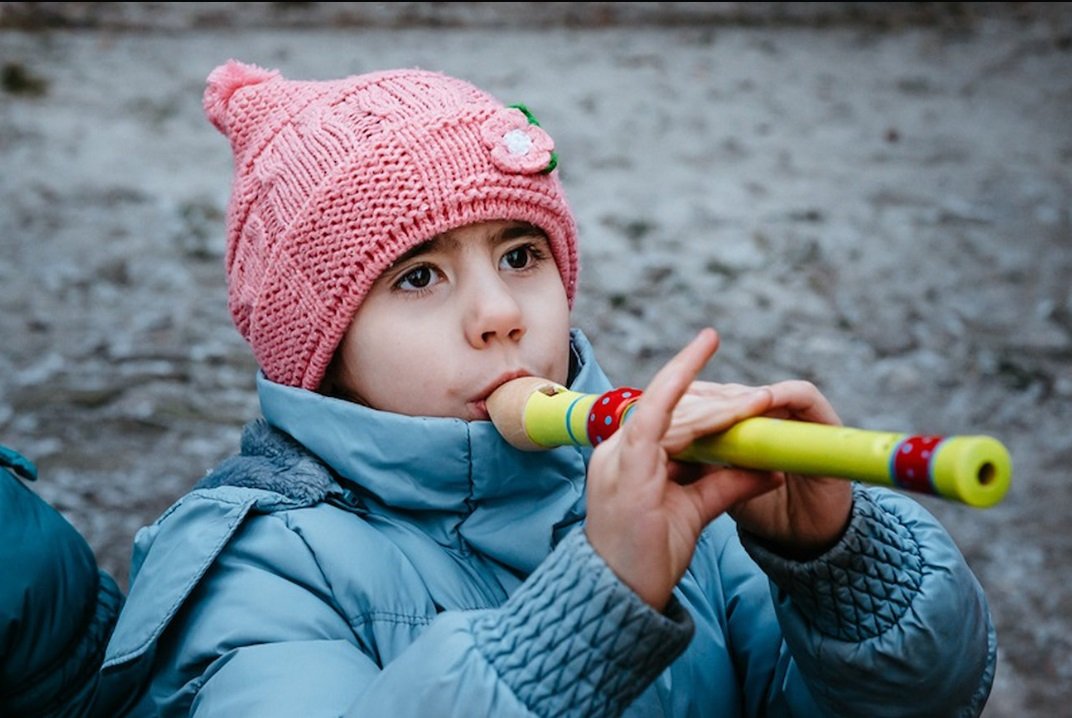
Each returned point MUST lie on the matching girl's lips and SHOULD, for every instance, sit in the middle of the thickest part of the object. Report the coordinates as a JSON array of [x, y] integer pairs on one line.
[[479, 406], [480, 409]]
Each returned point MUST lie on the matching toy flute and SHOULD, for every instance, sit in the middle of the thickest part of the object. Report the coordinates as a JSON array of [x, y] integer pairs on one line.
[[534, 414]]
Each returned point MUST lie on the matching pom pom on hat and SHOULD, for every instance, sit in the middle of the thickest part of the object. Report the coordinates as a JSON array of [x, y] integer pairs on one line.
[[334, 180], [224, 81]]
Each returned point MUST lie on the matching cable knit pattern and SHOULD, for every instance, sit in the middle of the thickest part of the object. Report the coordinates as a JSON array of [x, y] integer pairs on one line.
[[574, 640], [863, 585], [334, 180]]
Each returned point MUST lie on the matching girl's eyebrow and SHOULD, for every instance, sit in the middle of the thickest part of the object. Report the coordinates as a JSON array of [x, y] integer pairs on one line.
[[431, 245], [521, 229], [442, 241]]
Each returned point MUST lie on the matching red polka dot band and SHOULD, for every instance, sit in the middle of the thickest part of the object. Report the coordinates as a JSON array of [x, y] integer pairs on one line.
[[910, 463], [609, 412]]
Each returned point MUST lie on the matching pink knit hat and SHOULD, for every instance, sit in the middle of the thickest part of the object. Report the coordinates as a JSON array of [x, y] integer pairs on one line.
[[334, 180]]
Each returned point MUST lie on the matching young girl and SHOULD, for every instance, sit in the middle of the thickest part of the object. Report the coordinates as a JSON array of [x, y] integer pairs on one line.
[[399, 246]]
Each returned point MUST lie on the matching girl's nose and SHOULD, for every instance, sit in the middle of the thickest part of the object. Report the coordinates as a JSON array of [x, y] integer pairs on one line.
[[493, 313]]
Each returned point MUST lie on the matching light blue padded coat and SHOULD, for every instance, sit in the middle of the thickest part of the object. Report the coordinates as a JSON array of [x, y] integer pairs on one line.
[[359, 563]]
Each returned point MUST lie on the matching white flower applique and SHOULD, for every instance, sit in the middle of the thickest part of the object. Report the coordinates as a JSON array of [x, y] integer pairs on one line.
[[517, 142]]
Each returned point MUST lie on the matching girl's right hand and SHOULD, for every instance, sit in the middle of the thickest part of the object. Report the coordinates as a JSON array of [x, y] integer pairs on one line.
[[645, 511]]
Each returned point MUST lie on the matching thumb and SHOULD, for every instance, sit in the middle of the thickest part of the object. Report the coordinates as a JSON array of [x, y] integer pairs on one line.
[[720, 490]]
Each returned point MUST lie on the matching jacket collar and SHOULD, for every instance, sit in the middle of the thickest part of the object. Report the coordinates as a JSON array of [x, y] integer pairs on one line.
[[457, 479]]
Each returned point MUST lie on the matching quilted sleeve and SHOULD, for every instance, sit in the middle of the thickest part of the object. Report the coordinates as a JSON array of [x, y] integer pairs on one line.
[[891, 621], [574, 635], [572, 641]]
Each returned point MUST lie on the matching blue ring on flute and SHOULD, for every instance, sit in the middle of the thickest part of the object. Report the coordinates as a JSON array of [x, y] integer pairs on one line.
[[892, 471], [569, 415], [930, 467]]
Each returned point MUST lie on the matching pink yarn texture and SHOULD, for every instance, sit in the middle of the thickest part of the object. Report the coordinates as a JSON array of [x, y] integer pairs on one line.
[[334, 180]]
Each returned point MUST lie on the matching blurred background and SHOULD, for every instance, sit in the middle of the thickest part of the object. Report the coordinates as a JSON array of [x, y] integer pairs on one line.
[[872, 196]]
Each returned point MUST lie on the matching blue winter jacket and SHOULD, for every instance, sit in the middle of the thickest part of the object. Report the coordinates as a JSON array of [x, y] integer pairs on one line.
[[361, 563], [57, 608]]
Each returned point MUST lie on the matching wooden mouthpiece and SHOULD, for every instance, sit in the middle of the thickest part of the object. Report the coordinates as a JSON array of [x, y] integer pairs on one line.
[[506, 407]]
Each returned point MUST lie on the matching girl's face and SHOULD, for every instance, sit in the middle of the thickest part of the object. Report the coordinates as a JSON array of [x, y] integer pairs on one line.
[[453, 319]]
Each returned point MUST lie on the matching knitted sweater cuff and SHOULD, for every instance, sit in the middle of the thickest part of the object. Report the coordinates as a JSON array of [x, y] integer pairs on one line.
[[575, 640], [860, 587]]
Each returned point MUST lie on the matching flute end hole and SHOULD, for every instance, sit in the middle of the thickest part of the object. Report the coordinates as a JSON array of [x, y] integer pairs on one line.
[[987, 474]]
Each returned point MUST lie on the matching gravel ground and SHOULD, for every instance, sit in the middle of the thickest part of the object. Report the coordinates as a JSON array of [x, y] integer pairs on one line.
[[875, 200]]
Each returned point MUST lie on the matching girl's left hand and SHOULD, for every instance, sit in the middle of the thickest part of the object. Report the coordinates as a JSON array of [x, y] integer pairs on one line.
[[802, 516]]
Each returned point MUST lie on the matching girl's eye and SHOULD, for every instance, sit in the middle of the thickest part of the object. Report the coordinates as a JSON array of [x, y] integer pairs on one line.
[[416, 279], [522, 257]]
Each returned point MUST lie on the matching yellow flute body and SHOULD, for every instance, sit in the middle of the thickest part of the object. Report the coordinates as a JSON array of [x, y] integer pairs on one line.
[[974, 470]]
